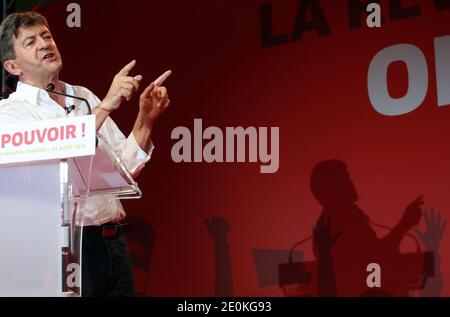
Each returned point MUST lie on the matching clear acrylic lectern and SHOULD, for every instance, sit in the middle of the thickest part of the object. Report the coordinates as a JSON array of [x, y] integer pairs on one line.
[[41, 206]]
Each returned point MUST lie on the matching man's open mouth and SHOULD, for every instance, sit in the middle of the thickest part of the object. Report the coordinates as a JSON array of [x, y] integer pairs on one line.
[[49, 56]]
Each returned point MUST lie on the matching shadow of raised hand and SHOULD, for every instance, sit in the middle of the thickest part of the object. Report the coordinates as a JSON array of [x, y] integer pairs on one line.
[[322, 236], [324, 242], [218, 229], [432, 236]]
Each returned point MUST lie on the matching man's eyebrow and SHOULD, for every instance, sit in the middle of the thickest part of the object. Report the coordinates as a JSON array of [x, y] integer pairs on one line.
[[28, 38], [34, 36]]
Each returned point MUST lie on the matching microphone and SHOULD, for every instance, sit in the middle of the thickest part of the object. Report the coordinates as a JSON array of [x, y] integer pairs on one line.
[[70, 109], [51, 89]]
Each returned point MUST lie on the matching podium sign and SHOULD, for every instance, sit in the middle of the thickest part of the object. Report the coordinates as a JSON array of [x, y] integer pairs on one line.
[[46, 140]]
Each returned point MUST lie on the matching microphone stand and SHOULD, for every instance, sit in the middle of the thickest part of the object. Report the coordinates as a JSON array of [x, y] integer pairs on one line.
[[51, 89]]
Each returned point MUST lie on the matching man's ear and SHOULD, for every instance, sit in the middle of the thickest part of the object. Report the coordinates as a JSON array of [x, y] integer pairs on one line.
[[12, 68]]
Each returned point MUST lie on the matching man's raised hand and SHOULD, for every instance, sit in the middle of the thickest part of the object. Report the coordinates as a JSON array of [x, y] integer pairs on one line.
[[155, 99], [161, 79], [122, 88]]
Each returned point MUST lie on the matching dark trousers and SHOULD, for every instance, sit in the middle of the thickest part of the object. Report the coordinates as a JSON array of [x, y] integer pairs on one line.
[[106, 267]]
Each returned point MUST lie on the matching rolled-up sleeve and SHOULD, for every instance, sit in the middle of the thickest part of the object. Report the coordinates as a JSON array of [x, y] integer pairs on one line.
[[127, 149], [133, 156]]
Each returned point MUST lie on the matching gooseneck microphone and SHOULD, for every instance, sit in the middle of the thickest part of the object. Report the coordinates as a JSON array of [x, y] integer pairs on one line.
[[70, 109], [51, 89]]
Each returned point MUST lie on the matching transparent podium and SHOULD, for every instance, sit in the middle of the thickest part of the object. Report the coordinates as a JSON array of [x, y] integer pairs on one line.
[[42, 216]]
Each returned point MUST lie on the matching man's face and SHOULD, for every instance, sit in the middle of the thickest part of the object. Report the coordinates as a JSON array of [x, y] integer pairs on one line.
[[37, 56]]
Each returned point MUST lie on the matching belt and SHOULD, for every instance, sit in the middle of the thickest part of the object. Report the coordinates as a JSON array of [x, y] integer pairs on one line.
[[108, 230]]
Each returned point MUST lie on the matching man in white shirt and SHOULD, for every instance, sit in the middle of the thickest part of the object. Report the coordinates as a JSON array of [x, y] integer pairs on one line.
[[27, 50]]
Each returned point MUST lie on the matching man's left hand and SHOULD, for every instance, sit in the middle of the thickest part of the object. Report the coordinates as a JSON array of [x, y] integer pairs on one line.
[[155, 99]]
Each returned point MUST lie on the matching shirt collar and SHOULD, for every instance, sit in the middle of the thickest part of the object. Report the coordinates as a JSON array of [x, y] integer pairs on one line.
[[28, 92], [35, 95]]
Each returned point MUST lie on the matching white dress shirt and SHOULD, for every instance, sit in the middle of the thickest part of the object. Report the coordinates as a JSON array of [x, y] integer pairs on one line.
[[30, 103]]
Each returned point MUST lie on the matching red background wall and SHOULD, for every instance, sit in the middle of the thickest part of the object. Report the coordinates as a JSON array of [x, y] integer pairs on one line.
[[314, 89]]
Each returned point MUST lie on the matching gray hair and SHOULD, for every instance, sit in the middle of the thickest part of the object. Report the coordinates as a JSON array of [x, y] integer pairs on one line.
[[9, 30]]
